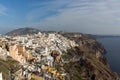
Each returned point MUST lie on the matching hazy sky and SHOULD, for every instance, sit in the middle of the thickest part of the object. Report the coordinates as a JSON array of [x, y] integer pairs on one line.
[[87, 16]]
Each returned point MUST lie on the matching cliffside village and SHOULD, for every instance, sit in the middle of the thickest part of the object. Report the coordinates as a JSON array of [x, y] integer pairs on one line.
[[37, 54]]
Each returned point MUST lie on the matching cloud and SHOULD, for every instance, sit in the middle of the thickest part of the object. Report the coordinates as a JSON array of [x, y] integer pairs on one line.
[[45, 9], [3, 10], [89, 16]]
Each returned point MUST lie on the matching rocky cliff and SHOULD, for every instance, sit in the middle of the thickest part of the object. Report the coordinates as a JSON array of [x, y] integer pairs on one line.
[[87, 61]]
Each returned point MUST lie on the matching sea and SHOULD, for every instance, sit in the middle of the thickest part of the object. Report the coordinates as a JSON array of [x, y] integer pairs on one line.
[[112, 46]]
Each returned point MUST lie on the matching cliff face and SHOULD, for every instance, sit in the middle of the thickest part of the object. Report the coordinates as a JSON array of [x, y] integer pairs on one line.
[[87, 61]]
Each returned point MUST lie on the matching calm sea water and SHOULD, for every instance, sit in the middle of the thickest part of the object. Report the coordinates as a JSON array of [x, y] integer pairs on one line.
[[112, 45]]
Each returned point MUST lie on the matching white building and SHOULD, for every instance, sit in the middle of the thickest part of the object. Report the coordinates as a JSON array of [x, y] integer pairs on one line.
[[1, 76]]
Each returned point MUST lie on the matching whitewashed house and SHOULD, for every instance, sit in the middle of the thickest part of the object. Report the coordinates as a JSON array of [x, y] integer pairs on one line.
[[1, 76]]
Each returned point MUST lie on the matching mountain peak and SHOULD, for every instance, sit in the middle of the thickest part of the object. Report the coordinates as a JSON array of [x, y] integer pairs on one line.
[[22, 31]]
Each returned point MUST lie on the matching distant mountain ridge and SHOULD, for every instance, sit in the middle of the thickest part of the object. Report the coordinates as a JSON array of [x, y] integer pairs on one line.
[[105, 36], [22, 31]]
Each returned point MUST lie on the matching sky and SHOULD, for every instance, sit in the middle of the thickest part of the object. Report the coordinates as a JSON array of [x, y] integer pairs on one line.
[[86, 16]]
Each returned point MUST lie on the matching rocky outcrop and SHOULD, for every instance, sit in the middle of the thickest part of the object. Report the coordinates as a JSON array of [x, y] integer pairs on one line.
[[8, 67]]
